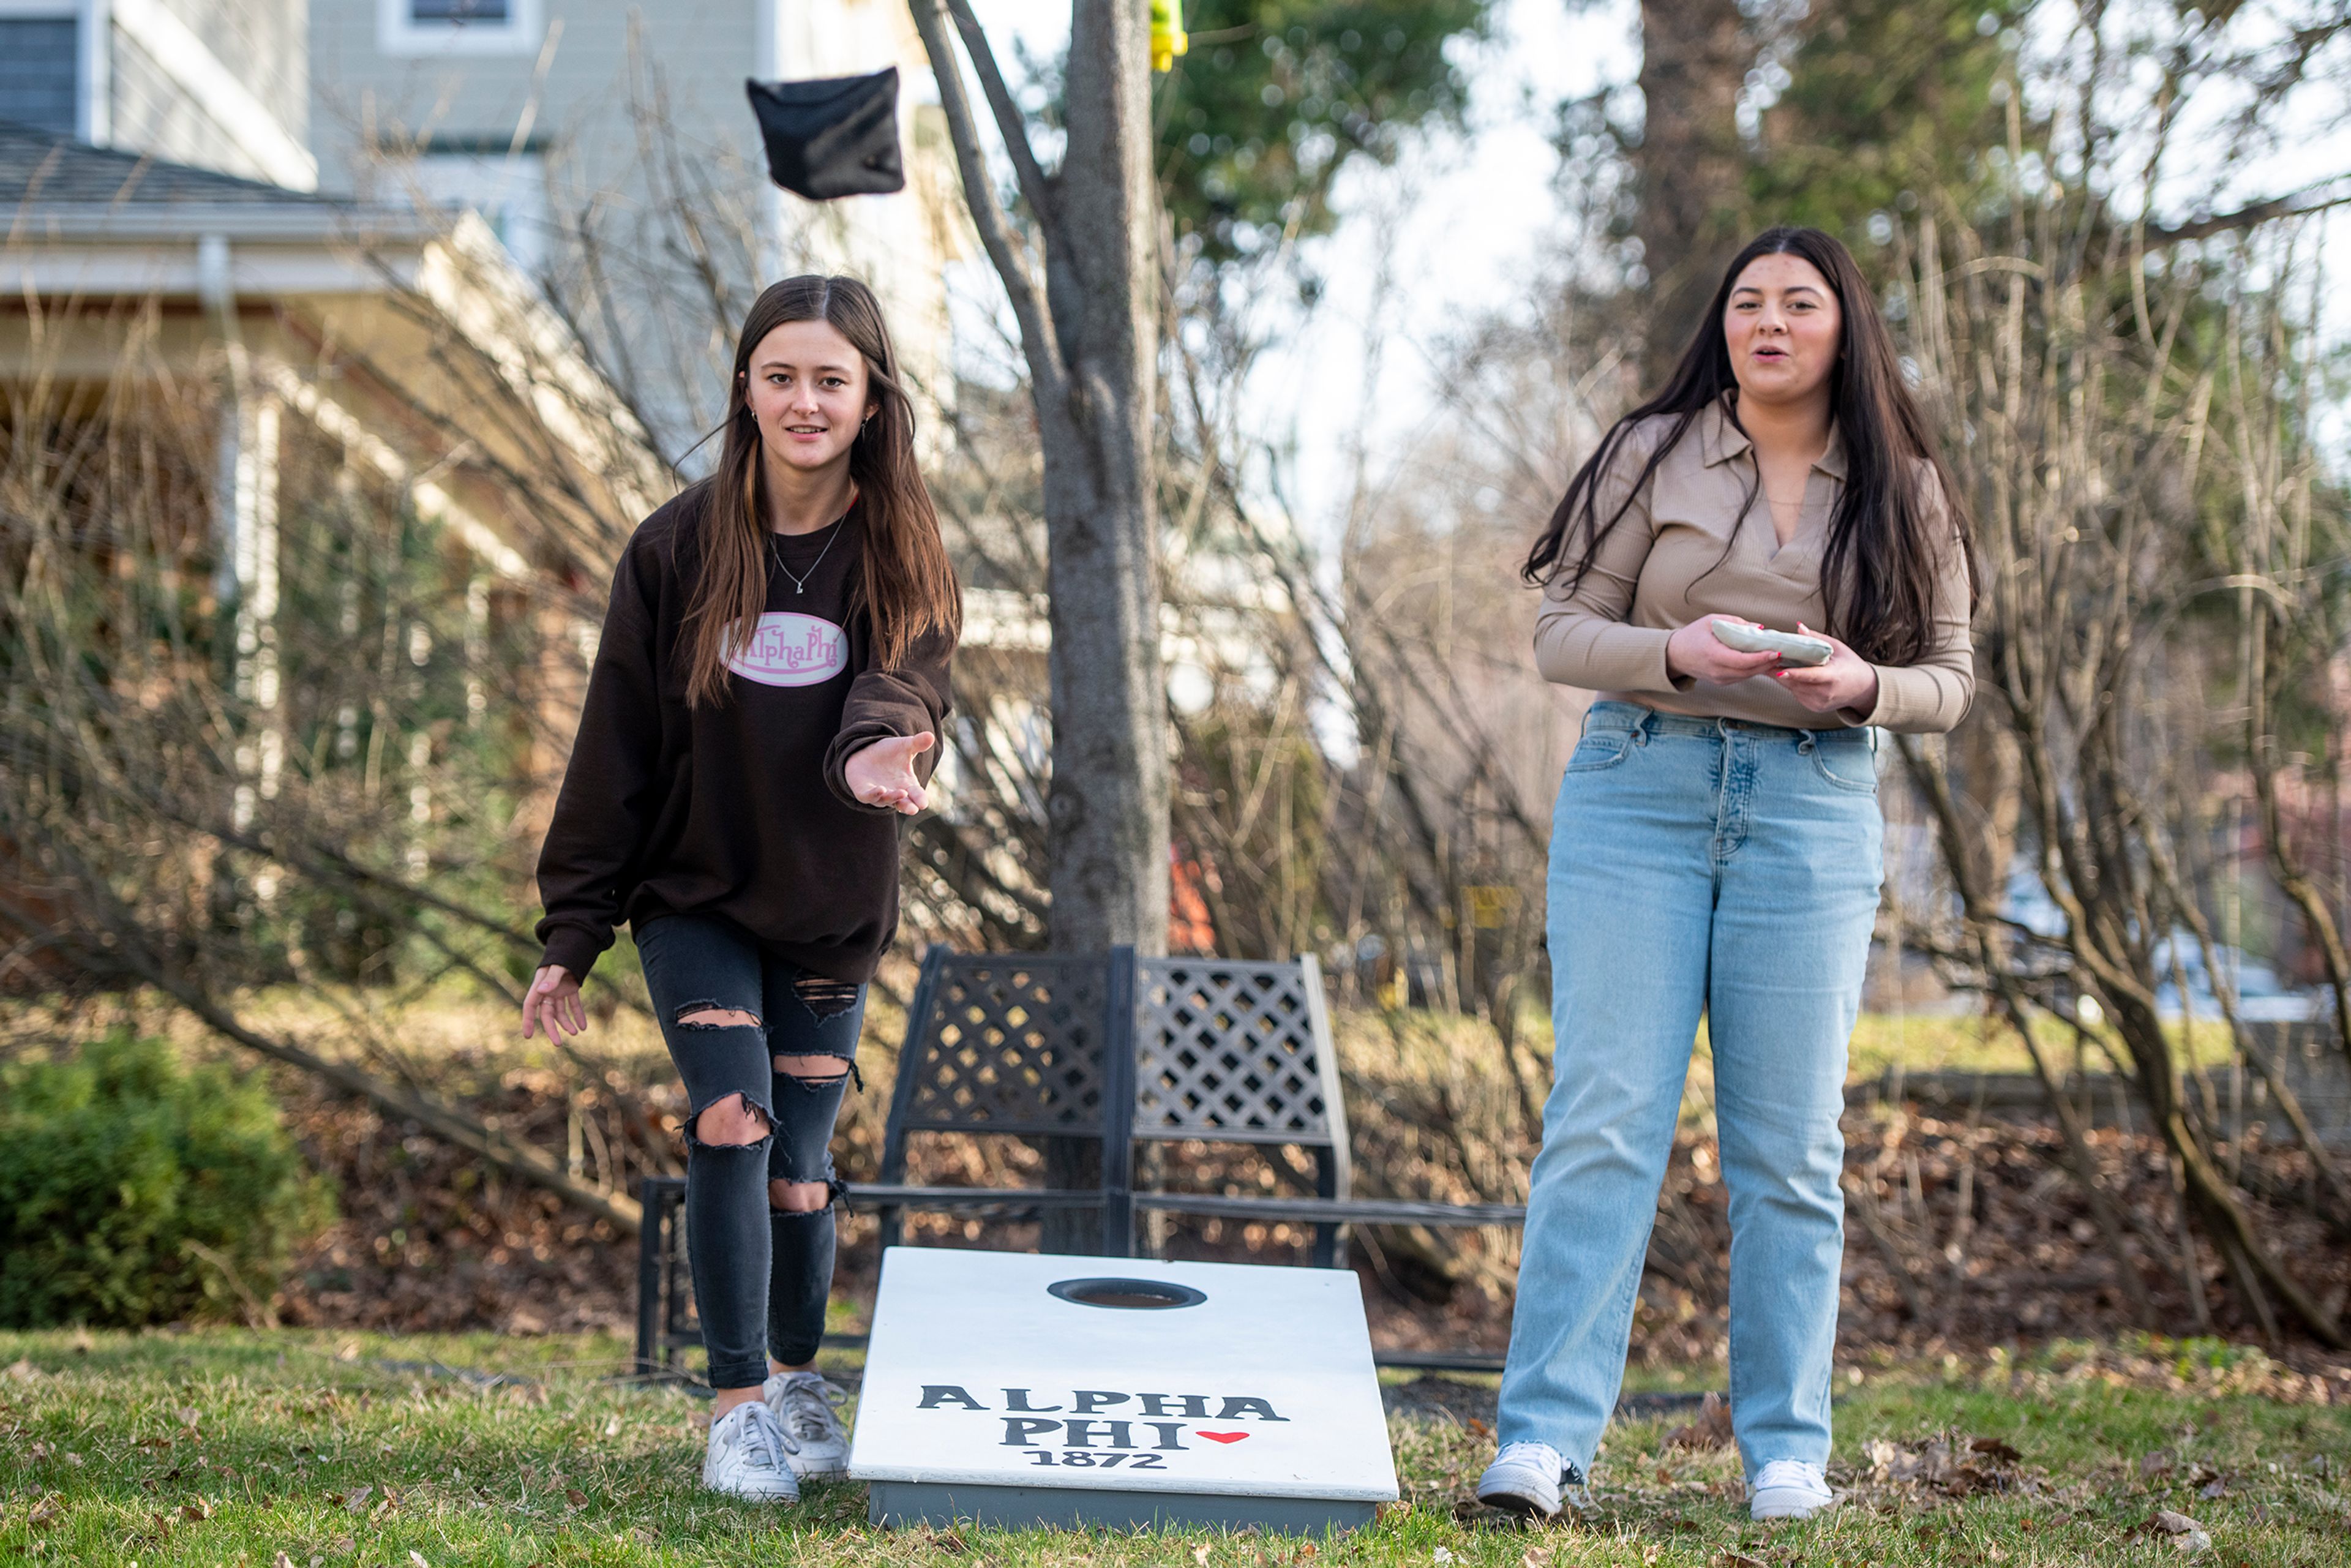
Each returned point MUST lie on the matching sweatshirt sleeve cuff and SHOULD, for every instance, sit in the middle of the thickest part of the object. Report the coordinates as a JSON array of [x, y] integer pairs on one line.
[[836, 765], [575, 949]]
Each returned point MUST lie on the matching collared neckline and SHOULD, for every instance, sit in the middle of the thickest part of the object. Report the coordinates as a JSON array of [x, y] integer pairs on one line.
[[1722, 440]]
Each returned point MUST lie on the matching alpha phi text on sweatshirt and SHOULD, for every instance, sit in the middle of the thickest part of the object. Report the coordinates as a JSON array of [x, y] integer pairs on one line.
[[739, 808]]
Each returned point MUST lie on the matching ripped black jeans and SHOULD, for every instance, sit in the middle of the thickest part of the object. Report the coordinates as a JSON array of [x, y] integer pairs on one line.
[[761, 1273]]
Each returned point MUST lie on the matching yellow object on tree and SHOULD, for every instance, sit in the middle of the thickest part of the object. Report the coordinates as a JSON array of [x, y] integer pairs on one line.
[[1167, 39]]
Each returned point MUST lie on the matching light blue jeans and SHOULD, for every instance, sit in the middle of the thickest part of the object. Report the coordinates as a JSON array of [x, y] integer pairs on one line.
[[1733, 868]]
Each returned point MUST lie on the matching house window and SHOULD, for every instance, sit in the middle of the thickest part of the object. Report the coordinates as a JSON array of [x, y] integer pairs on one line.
[[40, 72], [509, 192], [459, 12], [459, 27]]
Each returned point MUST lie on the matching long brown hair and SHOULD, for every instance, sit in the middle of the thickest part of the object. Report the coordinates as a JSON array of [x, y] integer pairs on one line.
[[904, 585], [1879, 570]]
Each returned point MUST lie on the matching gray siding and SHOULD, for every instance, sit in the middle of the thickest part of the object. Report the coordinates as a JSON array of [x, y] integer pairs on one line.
[[701, 49], [261, 43], [641, 117], [264, 43]]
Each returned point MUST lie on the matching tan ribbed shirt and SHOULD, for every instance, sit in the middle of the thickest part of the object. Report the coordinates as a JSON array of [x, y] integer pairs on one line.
[[1682, 551]]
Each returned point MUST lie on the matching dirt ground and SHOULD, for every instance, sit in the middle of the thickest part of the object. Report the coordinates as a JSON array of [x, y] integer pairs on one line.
[[1992, 1239]]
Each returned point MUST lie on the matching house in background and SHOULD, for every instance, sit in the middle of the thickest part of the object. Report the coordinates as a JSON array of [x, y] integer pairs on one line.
[[607, 144], [169, 257], [215, 84], [610, 148]]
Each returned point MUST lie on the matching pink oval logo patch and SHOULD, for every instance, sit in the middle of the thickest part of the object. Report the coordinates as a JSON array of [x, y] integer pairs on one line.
[[792, 650]]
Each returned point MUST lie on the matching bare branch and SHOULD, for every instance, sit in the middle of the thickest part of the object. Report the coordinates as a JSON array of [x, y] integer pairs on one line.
[[2295, 205], [1036, 189], [1048, 373]]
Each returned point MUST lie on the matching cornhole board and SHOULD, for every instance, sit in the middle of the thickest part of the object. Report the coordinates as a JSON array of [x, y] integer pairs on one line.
[[1015, 1389]]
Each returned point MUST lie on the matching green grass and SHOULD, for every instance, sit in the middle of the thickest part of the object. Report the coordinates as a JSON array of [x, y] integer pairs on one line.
[[224, 1446]]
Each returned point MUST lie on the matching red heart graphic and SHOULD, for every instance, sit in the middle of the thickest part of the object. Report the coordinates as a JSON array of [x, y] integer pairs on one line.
[[1224, 1437]]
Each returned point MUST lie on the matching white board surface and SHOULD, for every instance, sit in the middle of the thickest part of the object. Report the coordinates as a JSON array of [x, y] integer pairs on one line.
[[976, 1375]]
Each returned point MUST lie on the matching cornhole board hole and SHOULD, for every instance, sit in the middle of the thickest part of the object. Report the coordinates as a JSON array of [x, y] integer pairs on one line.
[[1014, 1389]]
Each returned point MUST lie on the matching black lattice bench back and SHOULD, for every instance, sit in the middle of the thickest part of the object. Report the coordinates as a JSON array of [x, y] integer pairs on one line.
[[1109, 1046]]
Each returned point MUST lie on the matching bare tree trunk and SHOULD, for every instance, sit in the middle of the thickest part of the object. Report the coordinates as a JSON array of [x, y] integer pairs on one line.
[[1108, 805], [1690, 167], [1090, 340]]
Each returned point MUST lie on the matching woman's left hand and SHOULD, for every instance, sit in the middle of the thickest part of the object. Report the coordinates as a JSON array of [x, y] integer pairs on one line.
[[882, 773], [1845, 681]]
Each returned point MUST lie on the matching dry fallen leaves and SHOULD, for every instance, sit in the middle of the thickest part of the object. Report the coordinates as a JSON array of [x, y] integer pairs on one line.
[[2185, 1534], [195, 1510], [575, 1497], [44, 1509], [1954, 1466], [1711, 1430]]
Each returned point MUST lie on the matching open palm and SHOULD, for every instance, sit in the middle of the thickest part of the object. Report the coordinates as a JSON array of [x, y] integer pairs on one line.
[[882, 773]]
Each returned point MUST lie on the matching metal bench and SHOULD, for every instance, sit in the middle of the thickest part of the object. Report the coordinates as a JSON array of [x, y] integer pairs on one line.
[[1113, 1048]]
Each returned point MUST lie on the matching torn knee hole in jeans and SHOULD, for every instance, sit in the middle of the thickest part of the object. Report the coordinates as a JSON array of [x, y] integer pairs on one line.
[[799, 1070], [826, 999], [833, 1187], [762, 1117], [710, 1015]]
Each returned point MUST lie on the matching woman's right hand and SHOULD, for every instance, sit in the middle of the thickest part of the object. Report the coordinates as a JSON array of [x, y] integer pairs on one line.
[[1694, 651], [553, 1000]]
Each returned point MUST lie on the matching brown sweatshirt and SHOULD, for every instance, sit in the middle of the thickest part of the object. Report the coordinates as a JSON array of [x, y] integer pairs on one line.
[[738, 809]]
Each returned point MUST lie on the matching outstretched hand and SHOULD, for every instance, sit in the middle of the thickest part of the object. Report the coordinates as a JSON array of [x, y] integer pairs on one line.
[[882, 773]]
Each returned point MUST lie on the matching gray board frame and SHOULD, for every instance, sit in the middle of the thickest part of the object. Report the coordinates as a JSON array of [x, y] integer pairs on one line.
[[895, 1504]]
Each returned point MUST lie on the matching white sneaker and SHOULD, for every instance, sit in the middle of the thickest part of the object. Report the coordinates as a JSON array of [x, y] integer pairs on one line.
[[1525, 1479], [806, 1407], [1789, 1489], [750, 1456]]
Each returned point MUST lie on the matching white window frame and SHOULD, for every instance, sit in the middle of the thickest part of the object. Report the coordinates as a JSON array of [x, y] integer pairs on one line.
[[513, 186], [397, 31]]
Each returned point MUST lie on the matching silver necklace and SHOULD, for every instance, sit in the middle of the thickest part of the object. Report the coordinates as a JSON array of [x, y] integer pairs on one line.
[[801, 581]]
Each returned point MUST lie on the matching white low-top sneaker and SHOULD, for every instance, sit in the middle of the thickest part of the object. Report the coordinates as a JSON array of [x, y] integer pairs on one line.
[[1789, 1489], [808, 1409], [750, 1456], [1525, 1479]]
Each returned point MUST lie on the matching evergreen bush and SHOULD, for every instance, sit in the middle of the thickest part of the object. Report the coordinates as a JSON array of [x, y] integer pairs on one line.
[[136, 1190]]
